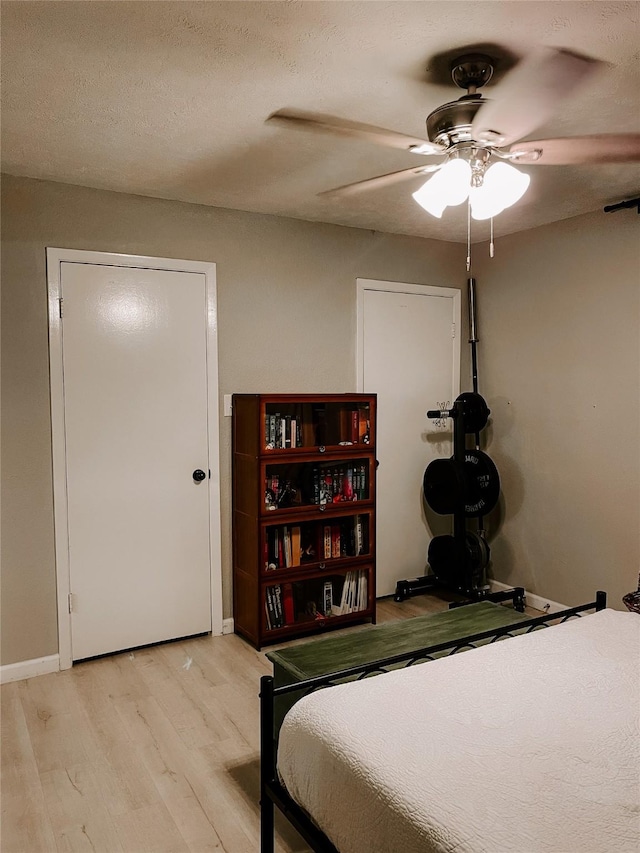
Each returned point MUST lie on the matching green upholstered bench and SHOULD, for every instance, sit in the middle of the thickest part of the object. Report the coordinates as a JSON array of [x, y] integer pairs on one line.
[[358, 648]]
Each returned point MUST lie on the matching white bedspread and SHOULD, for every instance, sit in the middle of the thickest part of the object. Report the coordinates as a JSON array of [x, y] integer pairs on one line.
[[527, 745]]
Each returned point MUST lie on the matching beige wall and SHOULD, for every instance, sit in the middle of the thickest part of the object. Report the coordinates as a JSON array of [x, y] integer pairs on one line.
[[559, 323], [287, 322]]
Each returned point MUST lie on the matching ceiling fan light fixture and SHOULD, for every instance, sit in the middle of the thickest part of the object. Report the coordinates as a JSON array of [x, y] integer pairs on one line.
[[449, 186], [503, 185]]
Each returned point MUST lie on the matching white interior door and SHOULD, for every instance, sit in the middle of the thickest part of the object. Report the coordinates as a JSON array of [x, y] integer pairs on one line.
[[409, 355], [134, 348]]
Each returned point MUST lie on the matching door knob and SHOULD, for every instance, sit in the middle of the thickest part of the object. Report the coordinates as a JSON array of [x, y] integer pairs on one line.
[[199, 475]]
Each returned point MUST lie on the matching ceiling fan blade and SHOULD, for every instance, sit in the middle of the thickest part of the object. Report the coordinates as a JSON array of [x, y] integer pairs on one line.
[[344, 127], [379, 181], [599, 148], [530, 94]]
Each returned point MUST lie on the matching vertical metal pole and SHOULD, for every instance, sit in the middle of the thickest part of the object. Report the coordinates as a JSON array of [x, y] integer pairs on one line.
[[473, 341], [267, 765], [459, 526], [473, 338]]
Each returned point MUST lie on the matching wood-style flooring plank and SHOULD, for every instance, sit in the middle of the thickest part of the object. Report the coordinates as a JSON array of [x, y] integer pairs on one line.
[[78, 813], [25, 822]]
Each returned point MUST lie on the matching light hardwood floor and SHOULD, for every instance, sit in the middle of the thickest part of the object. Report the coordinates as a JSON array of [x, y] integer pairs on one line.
[[154, 750]]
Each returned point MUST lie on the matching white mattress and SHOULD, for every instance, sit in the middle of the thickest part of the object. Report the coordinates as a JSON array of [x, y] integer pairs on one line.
[[527, 745]]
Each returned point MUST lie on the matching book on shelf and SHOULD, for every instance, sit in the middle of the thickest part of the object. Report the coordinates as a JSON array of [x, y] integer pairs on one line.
[[287, 600], [347, 486], [270, 430], [270, 607], [280, 540], [335, 541], [326, 542], [296, 550], [359, 542], [278, 602], [353, 587], [355, 426], [327, 598], [361, 601]]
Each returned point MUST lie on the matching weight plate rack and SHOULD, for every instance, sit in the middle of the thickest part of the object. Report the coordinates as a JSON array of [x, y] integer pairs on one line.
[[466, 485]]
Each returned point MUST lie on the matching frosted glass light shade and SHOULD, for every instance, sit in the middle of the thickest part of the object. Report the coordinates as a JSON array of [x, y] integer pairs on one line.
[[502, 186], [449, 186]]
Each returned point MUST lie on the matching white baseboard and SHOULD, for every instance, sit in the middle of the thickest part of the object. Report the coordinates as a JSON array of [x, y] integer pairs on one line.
[[29, 668], [538, 602], [42, 666]]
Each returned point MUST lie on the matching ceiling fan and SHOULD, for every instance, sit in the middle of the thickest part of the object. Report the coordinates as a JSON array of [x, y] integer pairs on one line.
[[477, 140]]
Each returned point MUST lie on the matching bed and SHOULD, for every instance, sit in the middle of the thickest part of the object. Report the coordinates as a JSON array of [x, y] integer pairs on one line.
[[527, 746]]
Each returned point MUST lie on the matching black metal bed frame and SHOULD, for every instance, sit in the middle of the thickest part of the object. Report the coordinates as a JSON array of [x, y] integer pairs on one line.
[[272, 792]]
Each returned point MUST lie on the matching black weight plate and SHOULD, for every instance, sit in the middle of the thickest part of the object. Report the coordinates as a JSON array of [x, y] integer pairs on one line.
[[478, 550], [446, 559], [475, 412], [482, 484], [444, 486]]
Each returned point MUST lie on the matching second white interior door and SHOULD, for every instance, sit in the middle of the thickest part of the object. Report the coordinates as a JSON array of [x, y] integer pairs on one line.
[[410, 357]]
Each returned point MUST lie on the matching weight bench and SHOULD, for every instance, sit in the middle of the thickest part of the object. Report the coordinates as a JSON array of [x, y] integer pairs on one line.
[[358, 648]]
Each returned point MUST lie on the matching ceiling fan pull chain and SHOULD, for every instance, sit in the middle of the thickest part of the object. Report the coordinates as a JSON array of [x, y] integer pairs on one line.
[[491, 244]]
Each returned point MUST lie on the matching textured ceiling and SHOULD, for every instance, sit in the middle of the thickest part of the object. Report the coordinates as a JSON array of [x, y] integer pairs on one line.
[[169, 99]]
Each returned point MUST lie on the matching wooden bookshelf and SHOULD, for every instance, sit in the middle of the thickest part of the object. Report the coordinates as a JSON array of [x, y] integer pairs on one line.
[[304, 473]]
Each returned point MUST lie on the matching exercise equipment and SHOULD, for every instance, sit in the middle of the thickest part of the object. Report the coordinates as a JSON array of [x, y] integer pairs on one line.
[[471, 486], [475, 412], [466, 486], [447, 555]]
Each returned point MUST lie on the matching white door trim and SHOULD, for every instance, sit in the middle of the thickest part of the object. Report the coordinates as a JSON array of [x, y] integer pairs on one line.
[[55, 257], [364, 284]]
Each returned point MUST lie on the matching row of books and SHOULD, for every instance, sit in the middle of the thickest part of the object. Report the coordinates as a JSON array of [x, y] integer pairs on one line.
[[340, 483], [283, 547], [355, 427], [288, 429], [291, 603], [348, 538], [282, 431], [278, 604], [287, 546], [330, 484], [354, 594]]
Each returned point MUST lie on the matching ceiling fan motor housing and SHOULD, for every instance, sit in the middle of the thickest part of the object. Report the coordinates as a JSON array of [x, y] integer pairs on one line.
[[451, 123]]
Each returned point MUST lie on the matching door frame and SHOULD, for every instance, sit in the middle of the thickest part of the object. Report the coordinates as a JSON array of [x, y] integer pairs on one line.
[[364, 284], [55, 257]]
